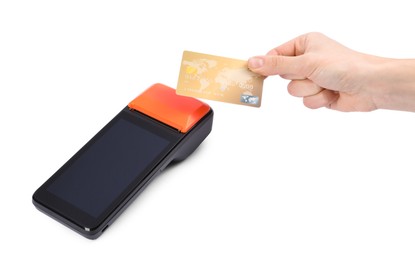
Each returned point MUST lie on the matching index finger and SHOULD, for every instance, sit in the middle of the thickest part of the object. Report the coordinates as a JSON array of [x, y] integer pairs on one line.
[[294, 47]]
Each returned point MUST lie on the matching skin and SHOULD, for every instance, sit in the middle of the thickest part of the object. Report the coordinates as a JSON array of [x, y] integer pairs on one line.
[[327, 74]]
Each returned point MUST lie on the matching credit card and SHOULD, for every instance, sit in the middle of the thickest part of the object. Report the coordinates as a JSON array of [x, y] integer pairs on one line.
[[219, 78]]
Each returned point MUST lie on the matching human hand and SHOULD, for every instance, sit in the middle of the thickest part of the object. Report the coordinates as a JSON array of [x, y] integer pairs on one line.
[[327, 74]]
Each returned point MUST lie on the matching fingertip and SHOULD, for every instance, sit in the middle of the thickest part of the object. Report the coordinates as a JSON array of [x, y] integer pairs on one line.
[[292, 90], [256, 62], [311, 103], [264, 65], [324, 98]]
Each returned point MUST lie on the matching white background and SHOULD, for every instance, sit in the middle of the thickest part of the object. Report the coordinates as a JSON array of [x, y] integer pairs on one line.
[[276, 182]]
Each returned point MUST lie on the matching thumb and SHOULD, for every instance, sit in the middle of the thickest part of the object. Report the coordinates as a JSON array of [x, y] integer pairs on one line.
[[267, 65]]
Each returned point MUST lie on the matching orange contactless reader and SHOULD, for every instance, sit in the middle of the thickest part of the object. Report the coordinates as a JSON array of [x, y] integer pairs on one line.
[[94, 186]]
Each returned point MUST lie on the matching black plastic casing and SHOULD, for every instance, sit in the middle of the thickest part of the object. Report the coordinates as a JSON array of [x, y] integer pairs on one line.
[[185, 144]]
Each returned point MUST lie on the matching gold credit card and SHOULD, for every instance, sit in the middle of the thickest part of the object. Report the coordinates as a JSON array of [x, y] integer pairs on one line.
[[219, 78]]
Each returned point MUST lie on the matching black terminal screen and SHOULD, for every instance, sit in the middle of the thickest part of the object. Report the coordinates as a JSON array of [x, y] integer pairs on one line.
[[118, 156]]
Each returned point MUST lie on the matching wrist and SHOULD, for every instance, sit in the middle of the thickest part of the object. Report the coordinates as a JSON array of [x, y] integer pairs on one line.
[[393, 84]]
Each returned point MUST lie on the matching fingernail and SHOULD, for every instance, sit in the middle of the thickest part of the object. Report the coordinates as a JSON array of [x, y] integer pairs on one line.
[[255, 62]]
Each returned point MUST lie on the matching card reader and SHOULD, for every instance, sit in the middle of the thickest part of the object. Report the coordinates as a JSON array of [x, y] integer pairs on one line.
[[97, 183]]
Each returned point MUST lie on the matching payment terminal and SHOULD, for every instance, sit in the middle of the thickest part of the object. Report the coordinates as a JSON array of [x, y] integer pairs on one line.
[[99, 181]]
